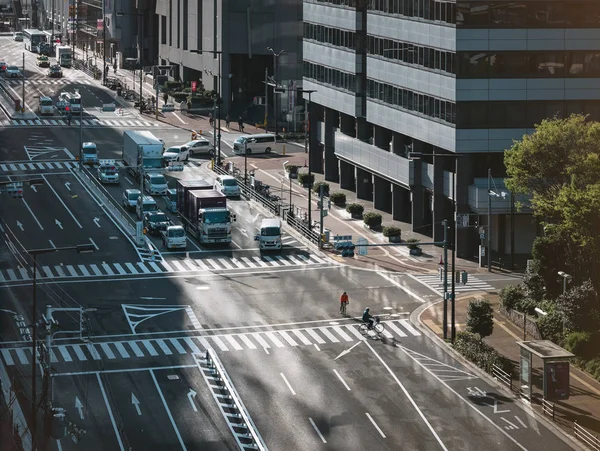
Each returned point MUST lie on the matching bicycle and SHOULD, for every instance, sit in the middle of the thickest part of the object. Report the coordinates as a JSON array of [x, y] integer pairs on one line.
[[343, 308], [377, 327]]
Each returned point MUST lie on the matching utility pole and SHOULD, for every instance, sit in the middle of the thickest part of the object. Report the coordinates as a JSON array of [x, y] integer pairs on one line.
[[266, 97], [80, 133], [445, 319], [141, 59], [104, 64], [323, 213], [489, 229], [23, 106], [246, 162]]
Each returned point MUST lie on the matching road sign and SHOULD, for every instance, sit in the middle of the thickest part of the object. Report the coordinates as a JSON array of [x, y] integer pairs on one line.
[[462, 220], [175, 166], [360, 244]]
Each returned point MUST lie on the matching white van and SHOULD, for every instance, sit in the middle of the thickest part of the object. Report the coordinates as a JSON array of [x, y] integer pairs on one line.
[[259, 143], [269, 237], [144, 205], [89, 153], [46, 106], [73, 99]]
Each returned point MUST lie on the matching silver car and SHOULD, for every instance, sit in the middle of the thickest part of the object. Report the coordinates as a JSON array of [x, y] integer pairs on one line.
[[13, 72], [155, 184], [200, 146], [130, 197]]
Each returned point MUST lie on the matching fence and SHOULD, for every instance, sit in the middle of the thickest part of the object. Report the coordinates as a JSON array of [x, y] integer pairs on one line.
[[517, 318], [548, 408], [502, 376], [593, 442]]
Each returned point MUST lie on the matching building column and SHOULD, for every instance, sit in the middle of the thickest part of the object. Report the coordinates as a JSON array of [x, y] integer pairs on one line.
[[382, 194], [439, 200], [331, 162], [401, 210], [364, 184], [347, 176], [417, 198], [467, 239], [315, 150]]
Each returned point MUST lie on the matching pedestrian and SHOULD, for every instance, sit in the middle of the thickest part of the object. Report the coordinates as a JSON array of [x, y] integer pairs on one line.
[[115, 67], [210, 119], [68, 117], [241, 123], [227, 121]]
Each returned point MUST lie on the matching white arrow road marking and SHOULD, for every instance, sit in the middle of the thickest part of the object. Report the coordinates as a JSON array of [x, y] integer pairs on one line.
[[136, 403], [1, 228], [243, 232], [97, 221], [58, 223], [347, 351], [34, 188], [192, 394], [68, 185], [495, 406], [510, 425], [20, 226], [79, 407]]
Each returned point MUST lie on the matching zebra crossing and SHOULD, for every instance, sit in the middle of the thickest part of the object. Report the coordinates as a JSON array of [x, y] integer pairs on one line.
[[64, 271], [64, 165], [244, 341], [48, 81], [91, 122], [434, 282]]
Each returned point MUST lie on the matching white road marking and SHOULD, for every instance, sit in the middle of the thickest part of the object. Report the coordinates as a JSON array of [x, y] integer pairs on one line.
[[342, 380], [233, 343], [110, 413], [288, 384], [317, 430], [62, 202], [31, 211], [315, 336], [160, 393], [374, 424]]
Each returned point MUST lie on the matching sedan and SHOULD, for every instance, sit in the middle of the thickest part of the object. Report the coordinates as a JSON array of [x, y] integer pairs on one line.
[[55, 71], [176, 153], [3, 66], [201, 146], [13, 72], [155, 222]]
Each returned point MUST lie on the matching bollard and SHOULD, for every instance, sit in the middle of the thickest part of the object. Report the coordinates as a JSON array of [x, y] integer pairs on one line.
[[284, 150], [465, 277], [441, 271]]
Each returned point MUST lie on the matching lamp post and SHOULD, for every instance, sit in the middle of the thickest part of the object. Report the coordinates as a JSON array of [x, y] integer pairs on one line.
[[275, 59], [141, 50], [307, 150], [81, 248], [217, 53], [566, 278], [455, 156], [290, 178]]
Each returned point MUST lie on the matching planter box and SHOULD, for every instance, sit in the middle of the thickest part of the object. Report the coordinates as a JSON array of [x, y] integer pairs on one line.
[[356, 216], [395, 239], [416, 252], [291, 175]]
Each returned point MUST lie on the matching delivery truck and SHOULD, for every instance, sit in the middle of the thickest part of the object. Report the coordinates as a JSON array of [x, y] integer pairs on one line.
[[142, 151]]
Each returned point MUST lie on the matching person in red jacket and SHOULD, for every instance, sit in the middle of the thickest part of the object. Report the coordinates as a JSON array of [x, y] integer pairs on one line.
[[343, 303]]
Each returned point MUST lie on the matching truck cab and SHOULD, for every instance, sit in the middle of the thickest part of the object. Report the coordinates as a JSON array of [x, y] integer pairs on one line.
[[174, 237], [144, 205], [269, 236], [89, 153]]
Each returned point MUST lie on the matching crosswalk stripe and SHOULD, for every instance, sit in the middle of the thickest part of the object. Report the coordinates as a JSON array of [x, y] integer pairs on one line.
[[22, 357], [237, 263], [96, 270], [107, 269], [260, 262], [48, 272], [396, 329], [219, 343], [283, 260], [136, 349], [190, 264], [93, 351], [121, 349], [270, 260], [408, 326], [59, 271], [65, 353], [342, 334], [305, 341], [210, 262], [11, 274], [387, 334], [143, 267], [261, 341], [106, 348], [119, 268], [195, 349], [355, 332], [155, 267], [79, 353], [246, 341], [167, 266], [177, 346], [201, 264], [233, 343], [287, 338], [225, 263], [150, 348], [294, 261], [131, 268], [329, 335], [72, 271], [163, 346], [177, 265], [53, 358], [24, 274], [315, 336], [7, 357], [204, 343], [274, 339]]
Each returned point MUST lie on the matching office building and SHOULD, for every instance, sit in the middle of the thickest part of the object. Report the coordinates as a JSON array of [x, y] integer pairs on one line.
[[399, 76]]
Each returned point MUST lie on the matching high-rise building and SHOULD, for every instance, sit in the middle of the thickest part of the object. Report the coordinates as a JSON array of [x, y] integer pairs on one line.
[[445, 78]]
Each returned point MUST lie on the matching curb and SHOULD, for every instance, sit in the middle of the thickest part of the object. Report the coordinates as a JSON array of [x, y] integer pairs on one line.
[[415, 318]]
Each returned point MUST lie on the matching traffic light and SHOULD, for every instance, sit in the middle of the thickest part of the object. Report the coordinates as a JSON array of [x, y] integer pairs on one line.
[[58, 419]]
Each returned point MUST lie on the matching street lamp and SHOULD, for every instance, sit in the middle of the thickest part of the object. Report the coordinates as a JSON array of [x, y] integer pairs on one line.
[[80, 248], [290, 178], [566, 278], [218, 135], [275, 59], [456, 156], [141, 50], [307, 150]]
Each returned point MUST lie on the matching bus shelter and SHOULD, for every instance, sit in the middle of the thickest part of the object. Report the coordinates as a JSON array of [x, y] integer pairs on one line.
[[554, 383]]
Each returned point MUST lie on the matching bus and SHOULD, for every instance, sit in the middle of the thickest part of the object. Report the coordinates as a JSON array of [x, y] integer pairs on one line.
[[32, 39]]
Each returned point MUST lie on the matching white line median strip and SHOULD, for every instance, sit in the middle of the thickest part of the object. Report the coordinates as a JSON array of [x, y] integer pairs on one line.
[[288, 384], [414, 404], [317, 430], [342, 380], [375, 424]]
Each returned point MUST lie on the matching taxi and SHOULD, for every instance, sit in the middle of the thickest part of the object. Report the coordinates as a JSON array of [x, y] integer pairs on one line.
[[43, 61]]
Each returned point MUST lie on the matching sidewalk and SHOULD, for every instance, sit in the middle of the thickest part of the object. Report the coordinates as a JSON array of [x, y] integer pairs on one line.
[[583, 405]]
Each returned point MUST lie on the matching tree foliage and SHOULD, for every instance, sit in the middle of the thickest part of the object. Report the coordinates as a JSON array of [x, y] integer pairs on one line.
[[581, 308], [480, 318], [558, 166]]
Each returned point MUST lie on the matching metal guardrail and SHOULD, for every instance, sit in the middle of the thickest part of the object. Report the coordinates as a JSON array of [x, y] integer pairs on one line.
[[586, 437], [548, 408], [231, 400], [301, 227], [502, 376]]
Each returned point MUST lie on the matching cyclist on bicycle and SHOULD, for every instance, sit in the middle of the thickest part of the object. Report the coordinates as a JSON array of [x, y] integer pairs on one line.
[[368, 318], [343, 302]]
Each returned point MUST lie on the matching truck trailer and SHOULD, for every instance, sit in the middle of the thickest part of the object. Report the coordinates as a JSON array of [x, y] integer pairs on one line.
[[142, 151]]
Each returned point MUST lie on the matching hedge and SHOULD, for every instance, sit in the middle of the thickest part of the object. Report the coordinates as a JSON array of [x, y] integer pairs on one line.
[[305, 180], [338, 198], [355, 209], [372, 219], [392, 231], [480, 353], [317, 187], [413, 243]]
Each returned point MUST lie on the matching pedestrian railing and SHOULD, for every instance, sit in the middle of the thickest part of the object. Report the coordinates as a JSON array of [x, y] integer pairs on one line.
[[592, 441], [548, 408], [230, 403], [500, 375]]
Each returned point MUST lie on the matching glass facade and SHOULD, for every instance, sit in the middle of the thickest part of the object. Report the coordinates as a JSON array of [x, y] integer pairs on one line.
[[330, 76], [332, 36]]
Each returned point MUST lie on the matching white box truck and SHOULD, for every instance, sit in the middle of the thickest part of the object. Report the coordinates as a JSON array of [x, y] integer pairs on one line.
[[141, 149], [64, 57]]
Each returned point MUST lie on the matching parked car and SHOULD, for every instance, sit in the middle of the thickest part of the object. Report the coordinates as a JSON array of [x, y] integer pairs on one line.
[[200, 146], [3, 66], [18, 36], [176, 153], [55, 71], [13, 72], [129, 198]]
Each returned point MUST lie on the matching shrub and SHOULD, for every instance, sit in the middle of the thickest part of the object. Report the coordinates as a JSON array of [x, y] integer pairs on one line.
[[293, 136], [292, 168], [179, 96], [583, 344], [511, 296], [372, 219], [172, 85], [187, 90], [527, 305], [581, 307], [317, 187], [480, 318], [392, 231], [593, 368], [477, 351], [551, 326], [338, 198], [355, 210], [305, 180], [413, 243], [534, 284]]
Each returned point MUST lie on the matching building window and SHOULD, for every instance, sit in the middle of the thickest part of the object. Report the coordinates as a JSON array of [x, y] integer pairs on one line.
[[329, 76], [171, 31], [185, 24], [430, 10], [414, 55], [163, 30], [331, 36], [178, 24], [413, 102], [347, 3]]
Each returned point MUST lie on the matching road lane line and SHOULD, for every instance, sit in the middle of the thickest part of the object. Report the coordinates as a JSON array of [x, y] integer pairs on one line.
[[315, 335], [62, 202], [110, 414], [31, 211], [160, 393], [342, 380], [403, 388], [317, 430], [288, 384], [374, 424]]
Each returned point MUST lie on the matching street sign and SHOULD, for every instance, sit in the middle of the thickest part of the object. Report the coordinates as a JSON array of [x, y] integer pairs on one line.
[[360, 244], [462, 220], [139, 232], [175, 166]]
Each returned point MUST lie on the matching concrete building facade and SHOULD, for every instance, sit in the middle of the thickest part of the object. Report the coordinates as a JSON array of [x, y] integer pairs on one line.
[[443, 78]]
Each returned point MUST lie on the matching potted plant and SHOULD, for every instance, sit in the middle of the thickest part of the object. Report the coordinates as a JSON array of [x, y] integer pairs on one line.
[[356, 210], [413, 246], [338, 198], [292, 171], [393, 233], [305, 181], [372, 220], [317, 188]]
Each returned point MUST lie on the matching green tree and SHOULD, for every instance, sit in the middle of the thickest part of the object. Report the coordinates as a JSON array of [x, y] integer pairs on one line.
[[581, 308], [480, 318]]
